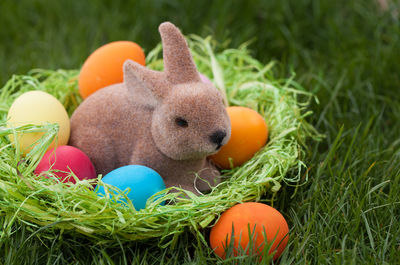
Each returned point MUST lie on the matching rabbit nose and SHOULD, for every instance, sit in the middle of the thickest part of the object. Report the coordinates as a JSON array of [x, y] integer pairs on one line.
[[217, 138]]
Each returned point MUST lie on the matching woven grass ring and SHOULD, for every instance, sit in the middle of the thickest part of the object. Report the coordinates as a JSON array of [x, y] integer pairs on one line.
[[76, 209]]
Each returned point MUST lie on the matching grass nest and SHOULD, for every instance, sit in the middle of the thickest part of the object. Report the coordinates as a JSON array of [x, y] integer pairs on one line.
[[47, 204]]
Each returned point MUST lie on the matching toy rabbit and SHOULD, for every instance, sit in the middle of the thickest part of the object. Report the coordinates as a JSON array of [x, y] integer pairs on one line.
[[169, 121]]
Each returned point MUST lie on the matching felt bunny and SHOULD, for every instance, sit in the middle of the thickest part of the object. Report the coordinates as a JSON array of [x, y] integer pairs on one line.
[[169, 121]]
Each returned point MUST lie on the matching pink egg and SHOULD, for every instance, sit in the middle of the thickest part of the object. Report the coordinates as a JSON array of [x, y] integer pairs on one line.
[[64, 160], [205, 79]]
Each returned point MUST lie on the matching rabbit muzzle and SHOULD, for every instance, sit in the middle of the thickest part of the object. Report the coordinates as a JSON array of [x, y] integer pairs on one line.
[[217, 138]]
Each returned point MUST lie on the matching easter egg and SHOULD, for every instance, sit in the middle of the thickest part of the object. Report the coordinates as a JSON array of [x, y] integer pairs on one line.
[[104, 66], [205, 79], [142, 181], [249, 133], [65, 159], [38, 107], [258, 217]]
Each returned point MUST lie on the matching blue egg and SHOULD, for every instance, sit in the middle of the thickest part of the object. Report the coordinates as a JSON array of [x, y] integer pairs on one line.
[[142, 181]]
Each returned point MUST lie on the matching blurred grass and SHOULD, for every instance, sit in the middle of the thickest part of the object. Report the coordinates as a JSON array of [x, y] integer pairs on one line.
[[346, 52]]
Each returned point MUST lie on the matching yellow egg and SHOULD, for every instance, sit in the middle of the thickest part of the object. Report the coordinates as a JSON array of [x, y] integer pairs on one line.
[[38, 107]]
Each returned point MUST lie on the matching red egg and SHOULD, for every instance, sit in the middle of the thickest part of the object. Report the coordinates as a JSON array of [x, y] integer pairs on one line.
[[65, 159]]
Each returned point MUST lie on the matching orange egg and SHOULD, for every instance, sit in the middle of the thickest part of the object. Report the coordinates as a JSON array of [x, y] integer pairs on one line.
[[104, 66], [258, 217], [249, 133]]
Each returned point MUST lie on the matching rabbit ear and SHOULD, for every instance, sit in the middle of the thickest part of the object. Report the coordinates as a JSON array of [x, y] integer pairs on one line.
[[143, 82], [179, 66]]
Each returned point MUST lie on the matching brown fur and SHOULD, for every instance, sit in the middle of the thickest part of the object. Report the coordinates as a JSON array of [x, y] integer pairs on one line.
[[135, 122]]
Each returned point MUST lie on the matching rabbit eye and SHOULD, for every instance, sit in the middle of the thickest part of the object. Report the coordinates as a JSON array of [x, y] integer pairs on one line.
[[181, 122]]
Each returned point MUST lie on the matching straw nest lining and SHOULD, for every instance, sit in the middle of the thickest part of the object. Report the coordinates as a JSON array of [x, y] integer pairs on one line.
[[76, 209]]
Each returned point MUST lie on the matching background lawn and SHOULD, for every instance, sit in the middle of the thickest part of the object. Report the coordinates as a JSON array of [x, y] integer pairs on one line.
[[347, 52]]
